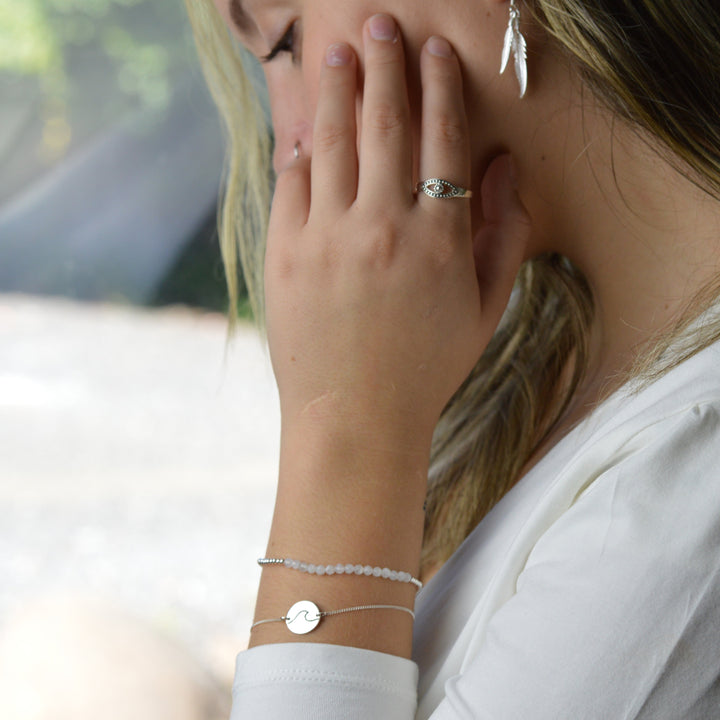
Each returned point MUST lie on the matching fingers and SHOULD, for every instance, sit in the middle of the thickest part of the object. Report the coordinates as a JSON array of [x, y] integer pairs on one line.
[[385, 167], [386, 143], [291, 201], [334, 163], [444, 143]]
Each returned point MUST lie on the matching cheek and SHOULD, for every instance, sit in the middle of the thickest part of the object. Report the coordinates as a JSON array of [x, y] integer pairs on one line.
[[294, 90], [292, 112]]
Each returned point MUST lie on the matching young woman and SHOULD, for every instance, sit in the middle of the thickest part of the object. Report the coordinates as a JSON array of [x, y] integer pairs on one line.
[[570, 429]]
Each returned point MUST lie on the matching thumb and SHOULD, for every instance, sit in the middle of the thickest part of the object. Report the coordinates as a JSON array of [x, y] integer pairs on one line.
[[499, 245]]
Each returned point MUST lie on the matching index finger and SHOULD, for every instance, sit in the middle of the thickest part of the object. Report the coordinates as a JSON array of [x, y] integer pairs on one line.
[[334, 158]]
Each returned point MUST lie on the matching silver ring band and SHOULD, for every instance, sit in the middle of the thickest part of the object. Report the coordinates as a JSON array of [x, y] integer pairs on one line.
[[439, 188]]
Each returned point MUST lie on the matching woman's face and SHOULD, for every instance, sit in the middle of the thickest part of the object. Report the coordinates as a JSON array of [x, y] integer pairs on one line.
[[291, 37], [544, 132]]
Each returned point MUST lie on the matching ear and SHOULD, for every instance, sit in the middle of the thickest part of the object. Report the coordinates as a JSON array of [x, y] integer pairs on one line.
[[499, 245]]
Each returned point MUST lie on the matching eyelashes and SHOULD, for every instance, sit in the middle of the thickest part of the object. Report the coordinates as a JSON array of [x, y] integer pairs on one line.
[[287, 43]]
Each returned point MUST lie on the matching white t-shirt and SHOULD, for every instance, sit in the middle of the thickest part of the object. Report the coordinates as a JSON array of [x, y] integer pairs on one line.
[[591, 591]]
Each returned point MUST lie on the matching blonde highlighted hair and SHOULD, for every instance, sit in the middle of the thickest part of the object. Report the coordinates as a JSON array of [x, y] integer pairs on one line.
[[654, 62], [243, 215]]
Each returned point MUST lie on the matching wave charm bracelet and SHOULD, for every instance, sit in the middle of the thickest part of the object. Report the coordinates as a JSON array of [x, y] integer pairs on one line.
[[304, 616], [344, 569]]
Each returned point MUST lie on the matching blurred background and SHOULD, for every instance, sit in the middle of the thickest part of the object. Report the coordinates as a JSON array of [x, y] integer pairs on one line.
[[137, 448]]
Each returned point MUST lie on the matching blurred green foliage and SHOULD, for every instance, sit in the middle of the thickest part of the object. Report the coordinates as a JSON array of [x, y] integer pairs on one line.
[[27, 42], [197, 278], [81, 65], [62, 43]]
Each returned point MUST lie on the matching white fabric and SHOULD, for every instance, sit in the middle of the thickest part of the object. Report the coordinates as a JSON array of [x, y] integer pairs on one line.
[[592, 590]]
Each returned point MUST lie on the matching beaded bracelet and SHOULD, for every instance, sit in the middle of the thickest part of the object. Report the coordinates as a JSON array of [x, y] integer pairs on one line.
[[304, 616], [343, 569]]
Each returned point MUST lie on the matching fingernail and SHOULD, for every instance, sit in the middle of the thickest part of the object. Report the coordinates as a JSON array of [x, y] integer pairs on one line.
[[382, 27], [439, 46], [338, 55]]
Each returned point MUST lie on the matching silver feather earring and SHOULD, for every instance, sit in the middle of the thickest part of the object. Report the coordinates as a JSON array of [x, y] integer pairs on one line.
[[515, 43]]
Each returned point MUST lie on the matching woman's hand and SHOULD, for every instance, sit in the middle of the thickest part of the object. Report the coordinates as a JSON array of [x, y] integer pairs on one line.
[[376, 310], [378, 305]]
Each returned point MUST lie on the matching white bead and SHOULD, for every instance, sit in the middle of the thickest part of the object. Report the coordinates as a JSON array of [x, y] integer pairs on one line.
[[377, 572], [320, 570], [311, 569], [358, 569], [404, 577], [329, 569], [295, 564], [287, 562], [339, 568], [386, 572], [303, 567], [393, 575], [367, 570], [349, 569]]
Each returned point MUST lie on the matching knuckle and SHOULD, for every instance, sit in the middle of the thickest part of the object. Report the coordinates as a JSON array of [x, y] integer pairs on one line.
[[385, 58], [386, 119], [381, 243], [279, 267], [442, 255], [330, 136], [448, 131]]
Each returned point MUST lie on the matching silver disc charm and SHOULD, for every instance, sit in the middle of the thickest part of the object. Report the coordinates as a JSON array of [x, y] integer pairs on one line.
[[439, 188], [303, 617]]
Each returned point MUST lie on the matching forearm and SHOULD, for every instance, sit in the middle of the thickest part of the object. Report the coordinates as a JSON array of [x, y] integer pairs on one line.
[[346, 495], [376, 313]]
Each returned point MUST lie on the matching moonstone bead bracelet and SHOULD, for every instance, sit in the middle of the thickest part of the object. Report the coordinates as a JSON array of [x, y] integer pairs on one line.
[[343, 569]]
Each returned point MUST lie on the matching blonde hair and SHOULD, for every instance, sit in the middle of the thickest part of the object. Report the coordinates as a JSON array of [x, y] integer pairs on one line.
[[645, 59], [244, 208]]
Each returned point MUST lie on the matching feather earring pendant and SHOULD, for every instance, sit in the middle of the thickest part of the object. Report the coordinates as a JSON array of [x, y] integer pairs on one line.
[[515, 44]]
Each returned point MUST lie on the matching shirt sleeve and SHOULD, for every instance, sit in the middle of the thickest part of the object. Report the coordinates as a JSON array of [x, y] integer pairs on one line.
[[314, 681], [617, 611]]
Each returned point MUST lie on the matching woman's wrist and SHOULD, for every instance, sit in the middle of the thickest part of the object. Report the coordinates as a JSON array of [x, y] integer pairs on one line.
[[363, 462], [345, 496]]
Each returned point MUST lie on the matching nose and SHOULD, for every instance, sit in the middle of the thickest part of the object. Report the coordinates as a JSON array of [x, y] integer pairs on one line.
[[295, 138], [291, 115]]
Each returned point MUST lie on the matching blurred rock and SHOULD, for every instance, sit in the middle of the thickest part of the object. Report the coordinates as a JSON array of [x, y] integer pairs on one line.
[[78, 658], [138, 462]]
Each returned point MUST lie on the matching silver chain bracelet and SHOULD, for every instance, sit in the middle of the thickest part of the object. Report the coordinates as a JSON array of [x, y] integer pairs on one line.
[[304, 616]]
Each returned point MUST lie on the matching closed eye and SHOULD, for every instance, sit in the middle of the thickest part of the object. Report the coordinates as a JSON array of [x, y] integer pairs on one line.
[[285, 44]]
